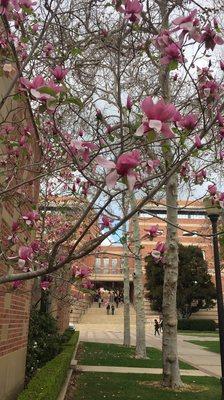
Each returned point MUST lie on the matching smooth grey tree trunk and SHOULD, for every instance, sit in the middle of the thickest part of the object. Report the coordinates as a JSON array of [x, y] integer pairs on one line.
[[127, 334], [171, 371], [140, 350]]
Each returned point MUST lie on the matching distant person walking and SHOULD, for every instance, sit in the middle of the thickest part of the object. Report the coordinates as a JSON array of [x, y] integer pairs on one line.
[[99, 301], [116, 299], [112, 309], [108, 309], [157, 327]]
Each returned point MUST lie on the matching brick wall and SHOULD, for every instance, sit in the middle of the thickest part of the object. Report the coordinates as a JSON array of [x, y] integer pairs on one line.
[[15, 304]]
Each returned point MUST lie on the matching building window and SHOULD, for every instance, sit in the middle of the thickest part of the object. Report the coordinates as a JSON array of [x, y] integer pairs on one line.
[[106, 265], [97, 265], [114, 265]]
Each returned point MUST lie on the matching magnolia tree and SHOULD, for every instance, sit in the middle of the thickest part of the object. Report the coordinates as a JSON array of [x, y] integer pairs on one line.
[[126, 97]]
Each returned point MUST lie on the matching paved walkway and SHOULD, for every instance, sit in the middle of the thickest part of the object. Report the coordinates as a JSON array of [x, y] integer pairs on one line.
[[194, 355], [135, 370]]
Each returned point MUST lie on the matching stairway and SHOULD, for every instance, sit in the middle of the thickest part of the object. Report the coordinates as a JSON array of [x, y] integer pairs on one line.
[[96, 315], [78, 309], [150, 315]]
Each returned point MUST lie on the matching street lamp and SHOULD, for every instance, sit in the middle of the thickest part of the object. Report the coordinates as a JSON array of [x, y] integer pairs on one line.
[[214, 211]]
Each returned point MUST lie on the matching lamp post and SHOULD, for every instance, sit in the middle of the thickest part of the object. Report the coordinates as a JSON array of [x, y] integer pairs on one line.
[[213, 212]]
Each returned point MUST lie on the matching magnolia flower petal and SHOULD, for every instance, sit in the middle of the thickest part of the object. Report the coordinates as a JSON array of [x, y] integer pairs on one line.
[[155, 124], [103, 162], [111, 179], [140, 131], [131, 178]]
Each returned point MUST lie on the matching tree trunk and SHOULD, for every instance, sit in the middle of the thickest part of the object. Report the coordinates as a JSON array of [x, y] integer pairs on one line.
[[127, 334], [140, 351], [171, 371]]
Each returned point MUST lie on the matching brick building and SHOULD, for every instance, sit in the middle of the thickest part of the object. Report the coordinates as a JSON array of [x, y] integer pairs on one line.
[[192, 220], [15, 305]]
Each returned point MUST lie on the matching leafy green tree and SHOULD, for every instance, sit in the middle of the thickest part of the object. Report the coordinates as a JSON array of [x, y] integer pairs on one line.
[[195, 288]]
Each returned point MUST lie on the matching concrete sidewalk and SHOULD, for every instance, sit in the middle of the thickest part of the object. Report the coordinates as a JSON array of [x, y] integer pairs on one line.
[[135, 370], [204, 360]]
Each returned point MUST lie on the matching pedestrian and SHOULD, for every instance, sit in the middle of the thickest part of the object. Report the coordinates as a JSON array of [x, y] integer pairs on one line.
[[156, 326], [112, 309], [117, 301], [108, 309], [99, 301]]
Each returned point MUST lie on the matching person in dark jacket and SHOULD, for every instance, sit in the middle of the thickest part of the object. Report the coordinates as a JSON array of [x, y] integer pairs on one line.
[[112, 309], [108, 309], [156, 326]]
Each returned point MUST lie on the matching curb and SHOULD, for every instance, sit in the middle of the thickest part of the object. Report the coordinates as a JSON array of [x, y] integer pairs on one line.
[[63, 391]]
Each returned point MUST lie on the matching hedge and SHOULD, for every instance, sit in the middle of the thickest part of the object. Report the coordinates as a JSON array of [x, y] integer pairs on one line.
[[196, 325], [48, 381]]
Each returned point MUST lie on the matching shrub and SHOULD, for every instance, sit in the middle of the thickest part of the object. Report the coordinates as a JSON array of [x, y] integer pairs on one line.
[[48, 381], [66, 335], [196, 325], [44, 341]]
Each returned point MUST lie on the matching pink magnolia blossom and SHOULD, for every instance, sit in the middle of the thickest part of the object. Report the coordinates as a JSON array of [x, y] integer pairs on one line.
[[27, 3], [16, 284], [200, 176], [4, 4], [186, 23], [99, 115], [158, 115], [152, 232], [188, 122], [44, 285], [87, 284], [158, 252], [129, 103], [132, 10], [210, 89], [80, 272], [189, 25], [212, 189], [37, 84], [35, 27], [152, 165], [185, 169], [48, 48], [220, 119], [25, 254], [15, 226], [106, 222], [31, 217], [59, 72], [163, 40], [35, 245], [122, 168], [197, 142], [172, 53], [210, 38], [82, 148]]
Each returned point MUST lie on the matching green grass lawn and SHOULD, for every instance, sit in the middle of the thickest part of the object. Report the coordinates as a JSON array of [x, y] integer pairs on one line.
[[211, 346], [95, 386], [198, 333], [116, 355]]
